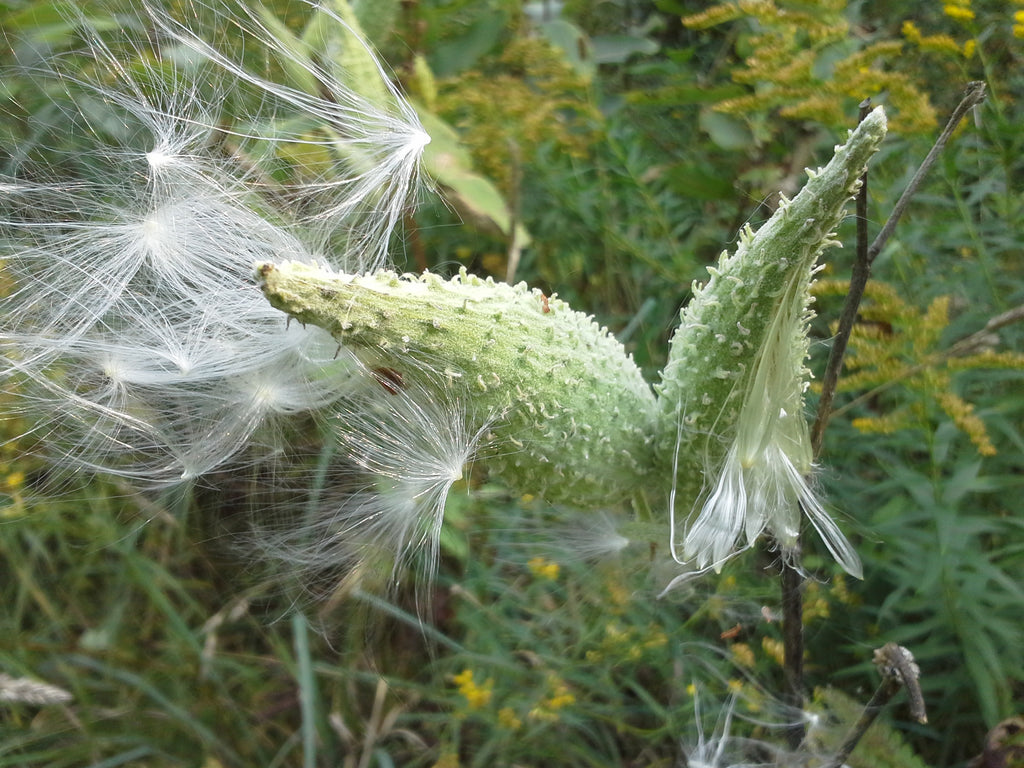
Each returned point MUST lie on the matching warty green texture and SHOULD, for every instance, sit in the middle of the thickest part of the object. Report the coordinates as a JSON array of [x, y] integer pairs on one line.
[[571, 417], [756, 300]]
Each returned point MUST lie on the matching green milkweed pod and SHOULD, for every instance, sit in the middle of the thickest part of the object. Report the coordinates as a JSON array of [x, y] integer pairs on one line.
[[571, 416], [564, 411]]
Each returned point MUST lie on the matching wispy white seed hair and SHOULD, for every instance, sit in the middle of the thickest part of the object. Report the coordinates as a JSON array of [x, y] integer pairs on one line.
[[142, 345], [762, 484], [134, 333], [371, 134], [401, 450], [723, 749], [588, 537], [25, 690]]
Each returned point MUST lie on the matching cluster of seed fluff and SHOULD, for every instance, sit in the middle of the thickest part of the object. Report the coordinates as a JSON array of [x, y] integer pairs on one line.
[[134, 333]]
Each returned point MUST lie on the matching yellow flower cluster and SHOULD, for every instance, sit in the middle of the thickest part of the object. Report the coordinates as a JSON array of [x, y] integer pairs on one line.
[[963, 415], [507, 718], [742, 654], [940, 43], [786, 70], [11, 481], [447, 760], [559, 697], [543, 569], [775, 649], [12, 463], [897, 344], [616, 595], [477, 695], [816, 605], [840, 591], [627, 644], [1018, 24], [530, 97], [958, 10]]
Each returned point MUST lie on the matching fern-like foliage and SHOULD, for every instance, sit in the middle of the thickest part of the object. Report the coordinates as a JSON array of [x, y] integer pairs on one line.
[[881, 747]]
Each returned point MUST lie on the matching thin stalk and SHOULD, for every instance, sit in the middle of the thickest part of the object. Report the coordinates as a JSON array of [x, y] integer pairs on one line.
[[306, 689], [883, 694], [793, 641], [898, 670], [791, 577], [973, 95], [792, 580]]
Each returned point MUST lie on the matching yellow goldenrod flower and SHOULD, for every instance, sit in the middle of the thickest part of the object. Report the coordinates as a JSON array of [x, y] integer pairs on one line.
[[774, 649], [656, 639], [559, 697], [507, 718], [939, 44], [477, 696], [743, 654], [841, 591], [958, 12], [911, 31], [543, 569], [816, 609]]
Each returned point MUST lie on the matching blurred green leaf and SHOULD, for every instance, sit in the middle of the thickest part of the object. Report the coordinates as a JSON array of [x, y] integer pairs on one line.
[[459, 53], [446, 160], [726, 131], [618, 49], [572, 41]]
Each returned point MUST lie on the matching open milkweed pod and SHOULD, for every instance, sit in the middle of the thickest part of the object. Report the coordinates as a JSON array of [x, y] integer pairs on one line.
[[731, 396]]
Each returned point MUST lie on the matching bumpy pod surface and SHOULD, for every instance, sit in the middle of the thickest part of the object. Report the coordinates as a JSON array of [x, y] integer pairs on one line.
[[745, 329], [571, 416]]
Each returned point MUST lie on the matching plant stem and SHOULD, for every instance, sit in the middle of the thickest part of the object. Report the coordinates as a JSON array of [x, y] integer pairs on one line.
[[885, 691], [792, 575], [793, 641], [858, 280], [898, 669], [973, 95]]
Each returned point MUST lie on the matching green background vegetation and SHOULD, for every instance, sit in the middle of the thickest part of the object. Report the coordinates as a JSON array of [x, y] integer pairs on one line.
[[624, 144]]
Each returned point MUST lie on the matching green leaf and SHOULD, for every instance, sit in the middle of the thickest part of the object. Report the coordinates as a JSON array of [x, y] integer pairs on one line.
[[346, 47], [726, 131], [447, 161], [617, 49], [461, 53], [574, 43], [377, 18]]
